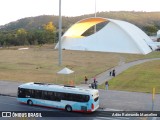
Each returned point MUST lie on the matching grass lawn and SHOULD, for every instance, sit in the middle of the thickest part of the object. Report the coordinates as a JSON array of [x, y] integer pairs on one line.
[[40, 64], [140, 78]]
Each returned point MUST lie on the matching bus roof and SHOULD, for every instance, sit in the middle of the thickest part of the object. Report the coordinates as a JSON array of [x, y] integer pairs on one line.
[[58, 88]]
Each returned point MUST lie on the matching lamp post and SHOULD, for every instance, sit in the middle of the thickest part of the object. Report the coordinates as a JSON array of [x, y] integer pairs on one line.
[[60, 35], [95, 15]]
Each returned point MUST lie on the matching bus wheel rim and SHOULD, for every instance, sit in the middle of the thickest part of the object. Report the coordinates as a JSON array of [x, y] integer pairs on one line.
[[30, 102]]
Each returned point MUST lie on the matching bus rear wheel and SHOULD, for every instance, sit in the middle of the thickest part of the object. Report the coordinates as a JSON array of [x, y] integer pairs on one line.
[[29, 102], [68, 108]]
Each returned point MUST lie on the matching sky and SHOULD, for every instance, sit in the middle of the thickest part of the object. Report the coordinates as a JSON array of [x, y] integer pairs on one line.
[[12, 10]]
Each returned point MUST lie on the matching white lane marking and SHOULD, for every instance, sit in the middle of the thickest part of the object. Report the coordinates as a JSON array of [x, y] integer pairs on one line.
[[111, 118], [110, 109], [125, 118], [106, 118], [154, 118]]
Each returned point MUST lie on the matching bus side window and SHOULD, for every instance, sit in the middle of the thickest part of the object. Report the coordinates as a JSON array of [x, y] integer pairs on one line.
[[57, 96], [46, 95], [60, 96], [67, 96], [27, 93], [81, 98], [33, 93], [49, 95], [52, 97], [38, 94], [75, 97], [78, 98]]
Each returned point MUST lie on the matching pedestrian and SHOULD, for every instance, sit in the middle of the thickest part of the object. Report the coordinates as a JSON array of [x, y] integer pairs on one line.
[[110, 73], [92, 85], [94, 79], [113, 73], [107, 85], [95, 83], [86, 79]]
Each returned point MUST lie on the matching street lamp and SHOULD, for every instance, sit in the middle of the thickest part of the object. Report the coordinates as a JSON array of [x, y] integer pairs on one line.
[[60, 35], [95, 15]]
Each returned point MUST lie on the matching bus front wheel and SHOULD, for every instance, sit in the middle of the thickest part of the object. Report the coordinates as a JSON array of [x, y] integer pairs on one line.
[[68, 108], [29, 102]]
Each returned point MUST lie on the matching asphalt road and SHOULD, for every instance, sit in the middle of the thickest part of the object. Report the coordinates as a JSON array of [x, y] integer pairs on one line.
[[10, 104]]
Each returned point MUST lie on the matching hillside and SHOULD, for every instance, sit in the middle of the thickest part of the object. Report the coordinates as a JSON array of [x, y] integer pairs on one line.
[[144, 20], [43, 29]]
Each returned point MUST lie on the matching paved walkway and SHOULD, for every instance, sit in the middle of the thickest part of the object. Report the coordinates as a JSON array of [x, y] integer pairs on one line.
[[101, 78], [9, 87]]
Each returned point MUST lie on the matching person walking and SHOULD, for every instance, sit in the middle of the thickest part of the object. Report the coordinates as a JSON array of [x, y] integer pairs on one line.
[[110, 73], [94, 79], [85, 79], [95, 83], [92, 85], [107, 85], [113, 73]]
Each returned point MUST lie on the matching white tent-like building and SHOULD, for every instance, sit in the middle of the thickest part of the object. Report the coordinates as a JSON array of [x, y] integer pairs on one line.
[[65, 71], [116, 36]]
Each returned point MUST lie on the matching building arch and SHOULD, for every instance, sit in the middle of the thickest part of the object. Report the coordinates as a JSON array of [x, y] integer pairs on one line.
[[116, 36]]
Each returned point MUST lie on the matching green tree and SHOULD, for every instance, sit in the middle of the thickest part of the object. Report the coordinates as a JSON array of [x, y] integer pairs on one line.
[[49, 27], [32, 38], [50, 32], [150, 29], [40, 37], [21, 35]]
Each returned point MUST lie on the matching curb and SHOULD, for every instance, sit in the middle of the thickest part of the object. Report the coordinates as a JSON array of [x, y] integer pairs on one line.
[[8, 95]]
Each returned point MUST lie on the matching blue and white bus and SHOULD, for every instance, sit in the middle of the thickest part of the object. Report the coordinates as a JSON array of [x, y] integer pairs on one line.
[[69, 98]]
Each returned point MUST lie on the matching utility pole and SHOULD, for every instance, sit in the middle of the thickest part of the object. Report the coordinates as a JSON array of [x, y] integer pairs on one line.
[[95, 15], [60, 35]]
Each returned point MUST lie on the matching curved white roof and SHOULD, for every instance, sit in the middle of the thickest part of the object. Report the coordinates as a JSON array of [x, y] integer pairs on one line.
[[116, 36]]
